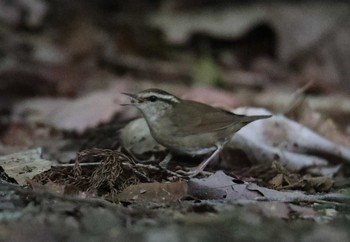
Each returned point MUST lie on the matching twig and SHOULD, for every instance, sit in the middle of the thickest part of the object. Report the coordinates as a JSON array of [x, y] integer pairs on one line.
[[332, 197], [126, 164], [81, 164], [298, 97]]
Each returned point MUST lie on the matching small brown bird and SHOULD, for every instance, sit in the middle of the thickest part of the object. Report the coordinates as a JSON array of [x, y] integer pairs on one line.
[[186, 126]]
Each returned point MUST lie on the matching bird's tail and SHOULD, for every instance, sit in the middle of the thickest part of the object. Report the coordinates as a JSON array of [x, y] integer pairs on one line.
[[249, 119]]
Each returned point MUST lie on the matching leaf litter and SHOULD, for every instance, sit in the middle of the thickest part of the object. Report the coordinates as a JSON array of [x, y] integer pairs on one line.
[[114, 176], [149, 193]]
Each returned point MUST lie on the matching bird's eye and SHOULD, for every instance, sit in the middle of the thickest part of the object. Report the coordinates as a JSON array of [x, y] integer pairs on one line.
[[153, 98]]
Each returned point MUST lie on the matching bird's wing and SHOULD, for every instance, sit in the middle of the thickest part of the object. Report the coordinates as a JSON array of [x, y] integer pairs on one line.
[[200, 118]]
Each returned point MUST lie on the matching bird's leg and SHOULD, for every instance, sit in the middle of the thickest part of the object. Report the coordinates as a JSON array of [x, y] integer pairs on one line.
[[200, 168]]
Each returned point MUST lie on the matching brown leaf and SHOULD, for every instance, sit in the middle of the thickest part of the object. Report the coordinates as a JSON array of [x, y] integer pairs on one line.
[[320, 184], [277, 181]]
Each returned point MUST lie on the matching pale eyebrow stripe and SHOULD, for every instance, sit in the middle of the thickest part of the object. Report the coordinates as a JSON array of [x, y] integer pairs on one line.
[[164, 97]]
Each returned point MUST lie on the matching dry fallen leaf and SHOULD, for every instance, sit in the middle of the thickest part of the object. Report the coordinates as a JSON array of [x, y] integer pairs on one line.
[[23, 165], [222, 187], [279, 138], [137, 140], [277, 181]]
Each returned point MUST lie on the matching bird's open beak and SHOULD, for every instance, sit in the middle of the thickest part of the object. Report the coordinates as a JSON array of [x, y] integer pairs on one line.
[[132, 95], [133, 98]]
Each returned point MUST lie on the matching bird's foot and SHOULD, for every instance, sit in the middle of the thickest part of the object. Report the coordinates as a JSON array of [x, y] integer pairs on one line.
[[193, 172]]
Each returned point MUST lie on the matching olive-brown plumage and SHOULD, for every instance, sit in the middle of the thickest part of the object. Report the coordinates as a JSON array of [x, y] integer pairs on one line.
[[187, 126]]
